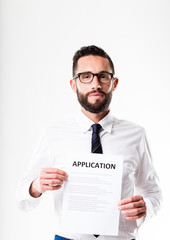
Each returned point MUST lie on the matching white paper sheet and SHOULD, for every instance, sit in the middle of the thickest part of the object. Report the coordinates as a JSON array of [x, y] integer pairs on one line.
[[91, 194]]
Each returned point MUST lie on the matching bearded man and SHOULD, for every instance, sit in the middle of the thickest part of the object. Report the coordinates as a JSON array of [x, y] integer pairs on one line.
[[94, 82]]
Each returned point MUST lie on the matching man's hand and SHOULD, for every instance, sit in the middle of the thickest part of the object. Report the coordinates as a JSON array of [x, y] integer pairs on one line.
[[132, 208], [48, 179]]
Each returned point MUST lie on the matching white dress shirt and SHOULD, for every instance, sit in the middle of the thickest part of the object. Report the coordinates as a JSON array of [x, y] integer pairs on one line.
[[117, 137]]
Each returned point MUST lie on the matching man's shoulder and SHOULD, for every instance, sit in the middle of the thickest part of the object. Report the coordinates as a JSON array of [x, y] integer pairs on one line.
[[62, 125], [127, 125]]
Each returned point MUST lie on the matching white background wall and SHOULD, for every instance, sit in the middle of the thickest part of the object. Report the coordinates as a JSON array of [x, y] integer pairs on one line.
[[38, 40]]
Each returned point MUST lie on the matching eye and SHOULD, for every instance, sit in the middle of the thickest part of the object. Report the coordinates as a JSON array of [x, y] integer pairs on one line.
[[86, 76], [104, 76]]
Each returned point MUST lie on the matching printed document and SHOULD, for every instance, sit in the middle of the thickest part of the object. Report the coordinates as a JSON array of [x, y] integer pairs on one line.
[[91, 194]]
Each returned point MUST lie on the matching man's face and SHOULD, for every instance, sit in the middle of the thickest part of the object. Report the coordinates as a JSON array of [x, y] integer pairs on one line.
[[94, 97]]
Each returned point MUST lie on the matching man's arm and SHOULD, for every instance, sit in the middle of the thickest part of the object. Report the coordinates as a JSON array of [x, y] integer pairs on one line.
[[38, 178], [147, 202]]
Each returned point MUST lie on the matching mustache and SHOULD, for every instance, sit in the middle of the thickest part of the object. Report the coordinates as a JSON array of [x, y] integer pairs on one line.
[[94, 91]]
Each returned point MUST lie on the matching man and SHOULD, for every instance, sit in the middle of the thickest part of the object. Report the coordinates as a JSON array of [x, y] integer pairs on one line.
[[94, 82]]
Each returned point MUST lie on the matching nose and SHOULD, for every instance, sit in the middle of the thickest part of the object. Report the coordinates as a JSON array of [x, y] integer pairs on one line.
[[95, 83]]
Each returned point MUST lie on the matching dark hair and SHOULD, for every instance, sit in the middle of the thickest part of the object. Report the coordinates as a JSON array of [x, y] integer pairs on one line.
[[90, 50]]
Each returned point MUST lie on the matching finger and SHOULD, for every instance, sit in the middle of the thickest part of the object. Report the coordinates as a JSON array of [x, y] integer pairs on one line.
[[132, 205], [130, 199], [51, 188], [53, 176], [131, 218], [51, 182], [135, 211], [54, 170]]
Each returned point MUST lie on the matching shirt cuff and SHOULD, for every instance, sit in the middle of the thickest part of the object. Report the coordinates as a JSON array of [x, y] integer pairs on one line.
[[24, 200], [149, 212], [149, 209]]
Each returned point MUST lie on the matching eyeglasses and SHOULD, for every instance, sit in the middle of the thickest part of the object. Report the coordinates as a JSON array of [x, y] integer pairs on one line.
[[87, 77]]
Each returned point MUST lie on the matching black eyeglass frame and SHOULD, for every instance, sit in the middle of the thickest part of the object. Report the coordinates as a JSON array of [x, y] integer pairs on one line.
[[94, 74]]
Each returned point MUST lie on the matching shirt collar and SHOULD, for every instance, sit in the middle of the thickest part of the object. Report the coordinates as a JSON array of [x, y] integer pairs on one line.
[[85, 123], [107, 122]]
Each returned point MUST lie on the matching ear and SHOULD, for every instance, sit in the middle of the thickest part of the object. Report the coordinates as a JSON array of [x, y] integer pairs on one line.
[[115, 83], [73, 85]]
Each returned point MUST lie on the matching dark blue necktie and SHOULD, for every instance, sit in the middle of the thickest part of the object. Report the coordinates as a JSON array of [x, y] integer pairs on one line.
[[96, 145]]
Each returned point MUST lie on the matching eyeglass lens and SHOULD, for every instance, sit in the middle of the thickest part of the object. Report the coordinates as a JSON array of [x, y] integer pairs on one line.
[[88, 77]]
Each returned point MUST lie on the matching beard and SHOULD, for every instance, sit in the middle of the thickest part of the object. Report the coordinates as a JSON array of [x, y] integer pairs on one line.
[[98, 106]]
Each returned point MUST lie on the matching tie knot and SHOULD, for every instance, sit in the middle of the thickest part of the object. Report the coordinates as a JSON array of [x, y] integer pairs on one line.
[[96, 128]]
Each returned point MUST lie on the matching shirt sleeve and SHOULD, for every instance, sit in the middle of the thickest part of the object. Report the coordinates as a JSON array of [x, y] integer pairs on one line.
[[147, 182], [41, 159]]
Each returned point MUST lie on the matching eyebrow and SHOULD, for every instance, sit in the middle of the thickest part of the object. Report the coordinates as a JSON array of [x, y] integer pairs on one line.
[[95, 73]]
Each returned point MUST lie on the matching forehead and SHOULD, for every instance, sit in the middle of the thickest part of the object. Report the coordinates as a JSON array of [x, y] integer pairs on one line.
[[93, 64]]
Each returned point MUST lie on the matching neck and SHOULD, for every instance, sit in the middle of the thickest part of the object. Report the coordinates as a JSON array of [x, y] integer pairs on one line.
[[95, 117]]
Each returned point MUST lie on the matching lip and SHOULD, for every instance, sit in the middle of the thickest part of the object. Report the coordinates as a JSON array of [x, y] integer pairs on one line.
[[95, 95]]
